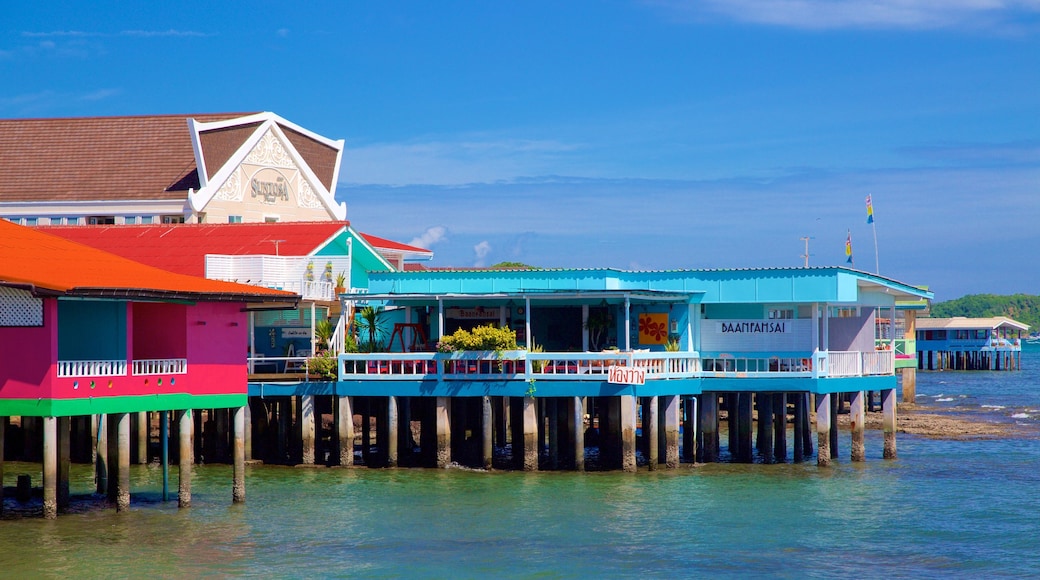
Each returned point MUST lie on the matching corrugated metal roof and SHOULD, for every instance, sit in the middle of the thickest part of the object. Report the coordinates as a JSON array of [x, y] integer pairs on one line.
[[963, 323]]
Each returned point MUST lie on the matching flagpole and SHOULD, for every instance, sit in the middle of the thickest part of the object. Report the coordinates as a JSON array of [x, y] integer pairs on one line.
[[877, 270]]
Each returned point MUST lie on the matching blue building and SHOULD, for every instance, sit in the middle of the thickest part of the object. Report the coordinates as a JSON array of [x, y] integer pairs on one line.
[[970, 343], [623, 357]]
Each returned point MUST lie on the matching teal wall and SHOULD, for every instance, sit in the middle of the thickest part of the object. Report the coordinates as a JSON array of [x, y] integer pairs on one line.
[[89, 330]]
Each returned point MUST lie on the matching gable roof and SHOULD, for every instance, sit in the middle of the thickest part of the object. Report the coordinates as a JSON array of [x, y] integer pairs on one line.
[[962, 323], [52, 265], [397, 247], [182, 248], [99, 158]]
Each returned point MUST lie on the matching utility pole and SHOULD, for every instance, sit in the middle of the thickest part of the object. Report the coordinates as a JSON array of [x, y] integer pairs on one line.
[[807, 254]]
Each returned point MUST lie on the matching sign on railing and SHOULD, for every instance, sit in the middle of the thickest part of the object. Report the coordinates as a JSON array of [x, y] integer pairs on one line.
[[619, 375]]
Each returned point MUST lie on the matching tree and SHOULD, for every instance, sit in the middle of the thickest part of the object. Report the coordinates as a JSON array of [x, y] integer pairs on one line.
[[370, 321]]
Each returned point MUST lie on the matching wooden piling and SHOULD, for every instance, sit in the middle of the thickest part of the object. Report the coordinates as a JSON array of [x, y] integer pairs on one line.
[[238, 452], [888, 422], [799, 419], [306, 427], [143, 428], [651, 431], [577, 419], [780, 427], [857, 417], [100, 437], [530, 443], [709, 422], [64, 461], [184, 426], [823, 429], [628, 433], [120, 422], [836, 404], [50, 468], [487, 432], [745, 453], [688, 415], [344, 419], [669, 409], [765, 421], [392, 437], [442, 420]]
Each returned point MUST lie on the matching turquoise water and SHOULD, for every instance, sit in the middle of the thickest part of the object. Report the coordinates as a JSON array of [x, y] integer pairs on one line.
[[944, 508]]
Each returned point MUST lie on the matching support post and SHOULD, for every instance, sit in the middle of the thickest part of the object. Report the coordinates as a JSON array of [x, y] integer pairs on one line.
[[64, 461], [184, 427], [578, 420], [888, 421], [531, 444], [50, 467], [628, 433], [780, 427], [669, 408], [100, 437], [122, 487], [823, 429], [392, 426], [799, 419], [442, 418], [143, 428], [164, 452], [487, 431], [765, 422], [744, 428], [345, 430], [857, 416], [709, 421], [238, 451], [651, 432], [3, 433], [307, 429]]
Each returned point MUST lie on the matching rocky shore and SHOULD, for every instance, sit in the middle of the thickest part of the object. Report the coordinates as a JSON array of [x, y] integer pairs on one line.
[[955, 424]]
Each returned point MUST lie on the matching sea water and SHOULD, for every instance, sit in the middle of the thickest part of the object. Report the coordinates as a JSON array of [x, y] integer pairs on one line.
[[964, 509]]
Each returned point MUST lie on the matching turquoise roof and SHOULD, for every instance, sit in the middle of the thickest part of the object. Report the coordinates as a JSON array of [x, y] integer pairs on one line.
[[765, 285]]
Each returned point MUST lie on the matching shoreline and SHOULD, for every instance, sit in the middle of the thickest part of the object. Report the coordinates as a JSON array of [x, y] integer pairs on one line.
[[951, 425]]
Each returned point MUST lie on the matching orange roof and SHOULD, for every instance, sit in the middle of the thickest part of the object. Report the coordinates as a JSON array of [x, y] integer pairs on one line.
[[182, 248], [50, 264], [99, 158]]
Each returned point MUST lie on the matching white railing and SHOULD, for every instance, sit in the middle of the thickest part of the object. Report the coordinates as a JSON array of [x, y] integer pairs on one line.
[[278, 365], [879, 362], [91, 368], [757, 367], [160, 366], [309, 290], [844, 364]]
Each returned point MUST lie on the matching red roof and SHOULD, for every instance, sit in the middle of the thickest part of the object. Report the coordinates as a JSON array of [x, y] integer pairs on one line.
[[30, 257], [182, 248], [385, 244], [99, 158]]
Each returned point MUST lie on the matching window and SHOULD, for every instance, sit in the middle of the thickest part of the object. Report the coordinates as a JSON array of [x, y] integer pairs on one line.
[[781, 314], [130, 220], [200, 217], [30, 221], [961, 335], [100, 220], [270, 219], [844, 312], [234, 219], [72, 221], [980, 334], [147, 219], [173, 219]]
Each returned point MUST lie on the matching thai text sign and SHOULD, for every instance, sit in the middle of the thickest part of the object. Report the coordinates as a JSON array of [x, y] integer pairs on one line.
[[619, 375]]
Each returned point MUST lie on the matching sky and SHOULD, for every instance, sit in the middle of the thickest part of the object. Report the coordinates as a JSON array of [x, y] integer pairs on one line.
[[641, 134]]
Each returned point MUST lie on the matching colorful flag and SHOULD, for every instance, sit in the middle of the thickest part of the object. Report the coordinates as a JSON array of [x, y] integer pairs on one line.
[[870, 211], [848, 248]]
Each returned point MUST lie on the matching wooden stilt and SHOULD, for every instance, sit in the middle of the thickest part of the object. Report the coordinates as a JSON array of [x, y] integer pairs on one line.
[[799, 420], [651, 431], [857, 417], [184, 426], [628, 433], [50, 467], [238, 453], [765, 421], [578, 431], [888, 422], [780, 427], [823, 429]]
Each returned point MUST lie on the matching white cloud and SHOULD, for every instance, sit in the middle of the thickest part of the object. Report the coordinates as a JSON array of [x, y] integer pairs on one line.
[[85, 34], [481, 250], [830, 14], [430, 237], [441, 162]]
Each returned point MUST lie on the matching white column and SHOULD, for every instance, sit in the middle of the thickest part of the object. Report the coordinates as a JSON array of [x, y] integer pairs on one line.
[[628, 323], [527, 323]]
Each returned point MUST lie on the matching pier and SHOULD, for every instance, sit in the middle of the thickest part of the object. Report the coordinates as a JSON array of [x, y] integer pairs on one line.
[[970, 344]]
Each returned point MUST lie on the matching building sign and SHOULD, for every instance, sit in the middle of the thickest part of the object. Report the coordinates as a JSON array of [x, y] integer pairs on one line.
[[619, 375], [296, 332], [269, 186], [756, 327], [478, 313]]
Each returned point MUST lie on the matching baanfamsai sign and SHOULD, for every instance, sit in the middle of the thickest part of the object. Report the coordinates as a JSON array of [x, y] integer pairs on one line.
[[620, 375]]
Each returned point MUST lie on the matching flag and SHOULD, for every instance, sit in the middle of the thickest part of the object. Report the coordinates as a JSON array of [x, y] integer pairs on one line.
[[848, 248], [870, 211]]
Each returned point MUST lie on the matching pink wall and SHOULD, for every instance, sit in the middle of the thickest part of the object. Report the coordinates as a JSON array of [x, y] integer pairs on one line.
[[159, 330], [27, 356], [217, 351]]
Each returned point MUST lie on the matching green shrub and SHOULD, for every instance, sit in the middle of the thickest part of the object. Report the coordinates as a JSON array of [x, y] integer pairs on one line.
[[324, 365], [487, 337]]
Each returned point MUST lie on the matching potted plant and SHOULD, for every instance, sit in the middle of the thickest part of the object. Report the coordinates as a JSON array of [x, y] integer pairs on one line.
[[341, 283]]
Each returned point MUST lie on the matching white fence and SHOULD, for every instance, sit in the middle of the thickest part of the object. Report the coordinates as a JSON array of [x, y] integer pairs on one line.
[[91, 368], [160, 366]]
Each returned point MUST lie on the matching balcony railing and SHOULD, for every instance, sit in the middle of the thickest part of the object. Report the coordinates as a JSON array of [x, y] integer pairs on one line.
[[118, 368], [91, 368], [161, 366], [522, 365]]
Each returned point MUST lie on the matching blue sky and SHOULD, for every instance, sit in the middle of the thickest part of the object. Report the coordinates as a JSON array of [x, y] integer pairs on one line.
[[631, 134]]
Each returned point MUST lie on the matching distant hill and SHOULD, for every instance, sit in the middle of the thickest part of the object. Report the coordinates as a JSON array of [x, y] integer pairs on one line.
[[1021, 307]]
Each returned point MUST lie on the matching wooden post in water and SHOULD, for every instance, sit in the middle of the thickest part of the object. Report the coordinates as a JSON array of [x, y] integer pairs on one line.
[[487, 432], [344, 419], [238, 453], [823, 429], [780, 427], [530, 442], [143, 429], [442, 420], [857, 416], [765, 422], [64, 461], [689, 429], [836, 404], [306, 424], [577, 418], [552, 412], [744, 427], [628, 433], [888, 422], [709, 421], [50, 468], [184, 426], [651, 431], [100, 437], [799, 420], [248, 417], [392, 434], [669, 408], [121, 434]]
